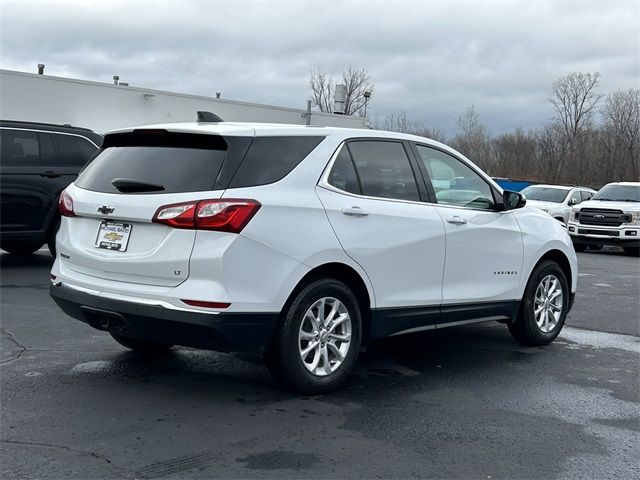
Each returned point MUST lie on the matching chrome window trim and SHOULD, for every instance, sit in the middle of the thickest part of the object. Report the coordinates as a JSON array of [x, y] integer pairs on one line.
[[51, 132], [324, 183]]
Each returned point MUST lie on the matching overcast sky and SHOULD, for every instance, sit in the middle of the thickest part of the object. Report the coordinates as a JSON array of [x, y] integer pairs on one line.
[[430, 59]]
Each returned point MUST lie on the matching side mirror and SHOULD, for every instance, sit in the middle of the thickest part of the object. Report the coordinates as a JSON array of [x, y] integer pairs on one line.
[[573, 202], [512, 200]]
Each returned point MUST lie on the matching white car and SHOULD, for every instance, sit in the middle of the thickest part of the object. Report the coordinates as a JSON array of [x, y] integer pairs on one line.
[[556, 200], [611, 217], [302, 243]]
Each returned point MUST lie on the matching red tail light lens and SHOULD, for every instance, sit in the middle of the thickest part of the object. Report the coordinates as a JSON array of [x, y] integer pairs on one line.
[[200, 303], [65, 205], [222, 215]]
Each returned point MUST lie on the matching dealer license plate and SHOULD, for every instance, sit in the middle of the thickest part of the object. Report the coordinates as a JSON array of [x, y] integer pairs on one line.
[[113, 235]]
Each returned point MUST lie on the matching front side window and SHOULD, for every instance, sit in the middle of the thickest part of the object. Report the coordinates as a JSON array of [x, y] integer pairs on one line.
[[575, 198], [384, 170], [586, 195], [454, 183]]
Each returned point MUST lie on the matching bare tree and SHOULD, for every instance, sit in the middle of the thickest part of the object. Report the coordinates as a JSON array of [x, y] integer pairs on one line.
[[473, 140], [574, 99], [400, 122], [621, 114], [323, 86]]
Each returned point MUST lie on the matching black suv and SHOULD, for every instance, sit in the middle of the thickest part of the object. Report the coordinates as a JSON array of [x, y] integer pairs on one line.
[[37, 161]]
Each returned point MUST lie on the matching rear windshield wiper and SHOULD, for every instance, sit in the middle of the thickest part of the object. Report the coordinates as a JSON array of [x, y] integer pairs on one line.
[[129, 185]]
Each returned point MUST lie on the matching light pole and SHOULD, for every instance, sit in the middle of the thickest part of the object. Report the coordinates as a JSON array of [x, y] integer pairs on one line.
[[367, 95]]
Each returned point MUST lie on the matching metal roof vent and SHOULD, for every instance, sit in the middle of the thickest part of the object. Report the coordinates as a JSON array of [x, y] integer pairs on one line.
[[208, 117]]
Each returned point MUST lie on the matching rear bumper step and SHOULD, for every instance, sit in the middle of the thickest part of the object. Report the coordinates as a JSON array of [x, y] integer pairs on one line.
[[224, 332]]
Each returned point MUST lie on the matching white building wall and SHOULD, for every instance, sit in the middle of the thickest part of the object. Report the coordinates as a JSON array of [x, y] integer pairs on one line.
[[103, 106]]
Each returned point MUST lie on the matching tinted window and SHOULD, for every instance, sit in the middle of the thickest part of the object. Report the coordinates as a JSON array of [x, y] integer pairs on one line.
[[177, 169], [272, 158], [384, 170], [454, 183], [74, 150], [47, 150], [343, 174], [19, 147]]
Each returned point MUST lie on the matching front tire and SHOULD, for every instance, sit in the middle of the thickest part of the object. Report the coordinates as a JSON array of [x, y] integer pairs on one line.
[[141, 346], [317, 344], [633, 251], [545, 305]]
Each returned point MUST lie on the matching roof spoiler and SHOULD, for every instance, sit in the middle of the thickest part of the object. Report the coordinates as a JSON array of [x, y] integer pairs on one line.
[[208, 117]]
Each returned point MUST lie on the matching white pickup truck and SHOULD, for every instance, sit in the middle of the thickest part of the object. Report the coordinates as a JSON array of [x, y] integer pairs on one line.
[[611, 217]]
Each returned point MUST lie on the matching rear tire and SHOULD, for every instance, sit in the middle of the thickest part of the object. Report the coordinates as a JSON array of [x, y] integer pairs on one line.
[[324, 321], [20, 249], [141, 346], [544, 306]]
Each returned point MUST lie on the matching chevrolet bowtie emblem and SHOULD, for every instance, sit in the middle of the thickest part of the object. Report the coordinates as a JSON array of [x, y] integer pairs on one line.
[[105, 210]]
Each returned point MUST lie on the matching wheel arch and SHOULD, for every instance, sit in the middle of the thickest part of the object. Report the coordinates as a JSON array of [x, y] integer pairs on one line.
[[350, 277], [561, 259]]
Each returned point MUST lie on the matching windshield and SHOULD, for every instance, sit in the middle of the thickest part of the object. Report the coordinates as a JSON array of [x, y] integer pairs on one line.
[[618, 193], [546, 194]]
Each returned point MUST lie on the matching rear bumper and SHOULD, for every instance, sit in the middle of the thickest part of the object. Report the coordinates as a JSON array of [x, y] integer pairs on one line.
[[224, 332]]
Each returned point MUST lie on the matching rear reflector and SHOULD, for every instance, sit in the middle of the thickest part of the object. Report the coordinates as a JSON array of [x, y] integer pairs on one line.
[[65, 205], [200, 303], [223, 215]]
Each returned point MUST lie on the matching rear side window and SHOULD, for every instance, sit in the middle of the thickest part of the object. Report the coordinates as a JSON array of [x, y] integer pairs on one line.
[[343, 174], [19, 148], [270, 159], [73, 150], [178, 162], [586, 195], [384, 170]]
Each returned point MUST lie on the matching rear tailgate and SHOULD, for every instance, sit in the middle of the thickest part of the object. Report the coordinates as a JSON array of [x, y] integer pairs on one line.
[[112, 234]]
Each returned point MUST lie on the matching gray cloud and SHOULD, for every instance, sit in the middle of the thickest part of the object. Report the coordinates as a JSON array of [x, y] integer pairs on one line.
[[430, 59]]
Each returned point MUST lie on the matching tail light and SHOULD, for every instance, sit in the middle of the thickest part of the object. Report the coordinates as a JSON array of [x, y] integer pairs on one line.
[[65, 205], [222, 215]]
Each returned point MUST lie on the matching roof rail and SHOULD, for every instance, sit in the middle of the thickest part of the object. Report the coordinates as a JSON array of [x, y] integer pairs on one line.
[[208, 117]]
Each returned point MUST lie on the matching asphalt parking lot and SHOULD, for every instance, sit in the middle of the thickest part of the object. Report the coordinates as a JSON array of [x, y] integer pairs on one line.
[[464, 402]]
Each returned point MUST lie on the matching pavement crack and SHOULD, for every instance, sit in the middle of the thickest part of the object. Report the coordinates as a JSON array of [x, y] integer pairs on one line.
[[16, 342], [111, 467]]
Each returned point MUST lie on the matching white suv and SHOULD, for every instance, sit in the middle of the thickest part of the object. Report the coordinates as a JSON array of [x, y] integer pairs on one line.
[[302, 243], [611, 217], [556, 200]]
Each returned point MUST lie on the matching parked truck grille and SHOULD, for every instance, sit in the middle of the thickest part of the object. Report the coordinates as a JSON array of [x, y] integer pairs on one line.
[[606, 218]]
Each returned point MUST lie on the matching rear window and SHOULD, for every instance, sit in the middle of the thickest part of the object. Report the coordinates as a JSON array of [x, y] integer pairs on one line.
[[270, 159], [179, 162]]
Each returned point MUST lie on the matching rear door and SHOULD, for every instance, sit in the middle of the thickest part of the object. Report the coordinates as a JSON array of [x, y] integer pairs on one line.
[[28, 191], [112, 235], [374, 205]]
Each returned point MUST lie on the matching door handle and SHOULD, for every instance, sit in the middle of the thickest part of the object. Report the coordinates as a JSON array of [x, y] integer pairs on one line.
[[355, 212], [50, 174], [456, 220]]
